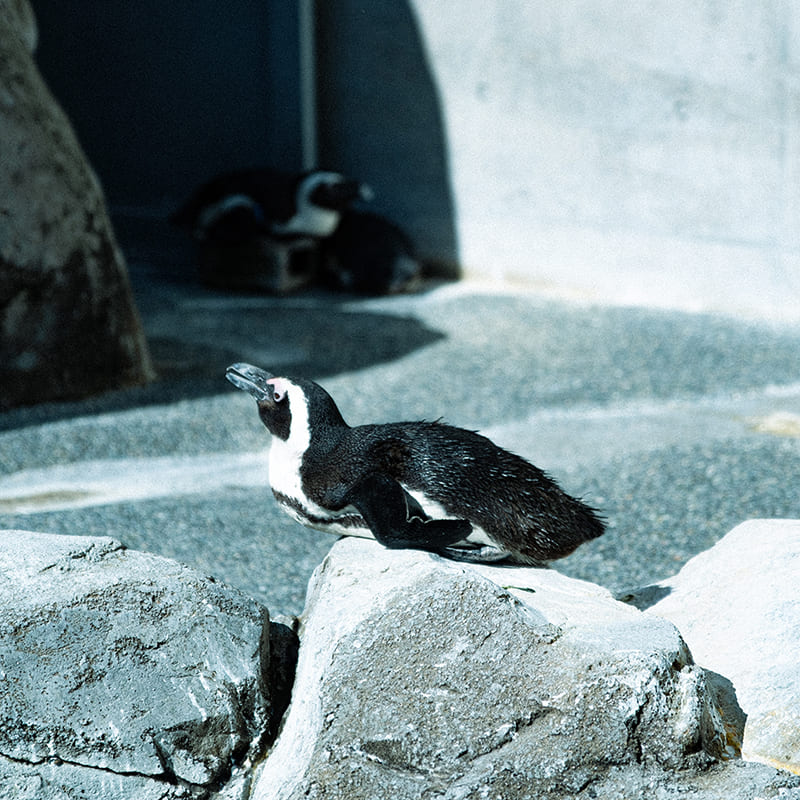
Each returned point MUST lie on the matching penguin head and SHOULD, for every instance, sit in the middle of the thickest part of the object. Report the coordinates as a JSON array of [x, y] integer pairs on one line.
[[330, 190], [320, 198], [290, 408]]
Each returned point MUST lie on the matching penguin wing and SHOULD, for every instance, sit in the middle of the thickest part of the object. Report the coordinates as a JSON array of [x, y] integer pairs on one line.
[[397, 520]]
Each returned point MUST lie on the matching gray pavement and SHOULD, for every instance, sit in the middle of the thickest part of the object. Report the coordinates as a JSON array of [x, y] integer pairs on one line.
[[678, 426]]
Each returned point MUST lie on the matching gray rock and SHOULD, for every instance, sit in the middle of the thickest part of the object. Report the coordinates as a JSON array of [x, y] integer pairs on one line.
[[126, 663], [419, 676], [60, 781], [738, 607], [68, 324], [22, 21]]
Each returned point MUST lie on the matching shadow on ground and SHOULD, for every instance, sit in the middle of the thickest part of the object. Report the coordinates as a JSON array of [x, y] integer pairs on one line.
[[195, 333]]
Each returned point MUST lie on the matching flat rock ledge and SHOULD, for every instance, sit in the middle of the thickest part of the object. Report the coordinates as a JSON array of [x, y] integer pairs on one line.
[[127, 675]]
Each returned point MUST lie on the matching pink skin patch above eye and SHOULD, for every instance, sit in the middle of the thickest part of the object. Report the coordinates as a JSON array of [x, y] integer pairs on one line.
[[280, 388]]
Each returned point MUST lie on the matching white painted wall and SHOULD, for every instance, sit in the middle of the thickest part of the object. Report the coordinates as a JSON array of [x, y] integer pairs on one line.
[[638, 152]]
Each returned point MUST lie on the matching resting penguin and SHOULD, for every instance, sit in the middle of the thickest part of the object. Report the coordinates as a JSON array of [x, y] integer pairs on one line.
[[421, 485], [259, 229], [369, 254], [268, 202]]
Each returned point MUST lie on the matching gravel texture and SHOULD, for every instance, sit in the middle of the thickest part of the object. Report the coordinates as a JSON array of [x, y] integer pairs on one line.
[[652, 416]]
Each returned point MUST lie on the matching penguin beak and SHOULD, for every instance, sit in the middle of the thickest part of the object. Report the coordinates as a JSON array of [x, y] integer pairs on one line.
[[250, 379]]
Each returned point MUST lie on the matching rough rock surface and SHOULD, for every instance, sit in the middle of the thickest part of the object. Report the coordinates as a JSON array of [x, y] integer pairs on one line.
[[117, 667], [126, 675], [422, 677], [68, 324], [737, 608], [53, 780]]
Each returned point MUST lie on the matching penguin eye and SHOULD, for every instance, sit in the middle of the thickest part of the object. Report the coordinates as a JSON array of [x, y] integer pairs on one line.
[[279, 391]]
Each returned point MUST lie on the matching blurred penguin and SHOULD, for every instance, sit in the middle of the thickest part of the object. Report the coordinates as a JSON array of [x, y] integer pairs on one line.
[[368, 254], [258, 229], [264, 201]]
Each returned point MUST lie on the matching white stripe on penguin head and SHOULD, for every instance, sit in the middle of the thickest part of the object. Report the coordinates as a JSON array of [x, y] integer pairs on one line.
[[286, 457], [310, 219], [300, 432]]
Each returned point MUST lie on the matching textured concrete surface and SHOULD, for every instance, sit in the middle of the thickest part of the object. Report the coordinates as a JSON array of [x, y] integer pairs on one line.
[[678, 426], [629, 153], [646, 153]]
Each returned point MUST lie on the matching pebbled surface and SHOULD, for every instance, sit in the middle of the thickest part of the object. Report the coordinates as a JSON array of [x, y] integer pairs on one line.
[[676, 425]]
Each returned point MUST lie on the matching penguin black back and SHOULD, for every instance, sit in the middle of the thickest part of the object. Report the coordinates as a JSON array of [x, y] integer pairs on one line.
[[411, 484], [273, 192], [458, 473]]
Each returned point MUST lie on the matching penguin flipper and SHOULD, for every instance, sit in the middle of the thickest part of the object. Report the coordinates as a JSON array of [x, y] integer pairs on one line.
[[396, 519]]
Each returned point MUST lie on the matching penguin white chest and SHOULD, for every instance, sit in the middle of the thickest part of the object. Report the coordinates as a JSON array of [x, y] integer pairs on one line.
[[284, 472], [310, 221], [287, 486], [286, 480], [286, 456]]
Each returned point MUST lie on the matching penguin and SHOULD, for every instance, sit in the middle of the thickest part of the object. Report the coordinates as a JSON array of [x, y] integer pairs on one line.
[[259, 229], [268, 202], [422, 485], [368, 254]]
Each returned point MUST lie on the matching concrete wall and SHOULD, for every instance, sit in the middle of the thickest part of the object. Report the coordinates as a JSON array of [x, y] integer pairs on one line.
[[641, 151], [638, 152], [165, 94], [380, 117]]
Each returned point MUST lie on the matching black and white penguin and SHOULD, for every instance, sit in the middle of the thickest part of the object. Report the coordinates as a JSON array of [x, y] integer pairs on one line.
[[263, 201], [259, 229], [369, 254], [421, 485]]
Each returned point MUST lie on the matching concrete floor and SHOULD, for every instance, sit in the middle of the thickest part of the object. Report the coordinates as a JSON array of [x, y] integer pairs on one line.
[[677, 426]]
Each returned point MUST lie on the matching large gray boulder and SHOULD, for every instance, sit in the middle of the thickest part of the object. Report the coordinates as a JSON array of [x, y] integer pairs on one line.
[[121, 669], [738, 607], [68, 324], [421, 677]]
